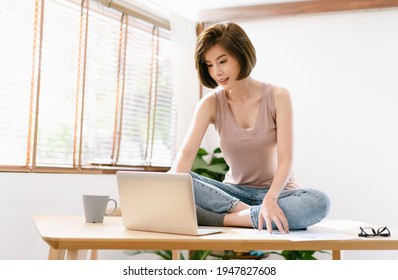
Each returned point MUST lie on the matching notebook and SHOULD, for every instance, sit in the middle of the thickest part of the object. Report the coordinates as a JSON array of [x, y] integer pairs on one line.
[[159, 202]]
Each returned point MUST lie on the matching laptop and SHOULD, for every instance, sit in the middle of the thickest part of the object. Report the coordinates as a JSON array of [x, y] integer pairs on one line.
[[159, 202]]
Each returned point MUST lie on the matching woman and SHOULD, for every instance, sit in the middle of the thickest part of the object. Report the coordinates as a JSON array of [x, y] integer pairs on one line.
[[254, 124]]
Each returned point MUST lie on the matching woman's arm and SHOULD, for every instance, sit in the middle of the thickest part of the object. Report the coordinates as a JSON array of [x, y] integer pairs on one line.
[[284, 123], [203, 116]]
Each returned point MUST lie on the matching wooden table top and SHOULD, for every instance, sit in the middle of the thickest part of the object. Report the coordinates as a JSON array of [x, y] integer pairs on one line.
[[72, 232]]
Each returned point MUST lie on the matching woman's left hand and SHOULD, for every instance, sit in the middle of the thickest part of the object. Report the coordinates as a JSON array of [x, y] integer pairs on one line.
[[271, 212]]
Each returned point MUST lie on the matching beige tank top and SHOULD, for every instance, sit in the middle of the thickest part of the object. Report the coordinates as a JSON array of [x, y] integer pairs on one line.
[[249, 153]]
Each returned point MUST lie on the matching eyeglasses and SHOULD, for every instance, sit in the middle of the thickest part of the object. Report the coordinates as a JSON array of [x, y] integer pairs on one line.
[[371, 232]]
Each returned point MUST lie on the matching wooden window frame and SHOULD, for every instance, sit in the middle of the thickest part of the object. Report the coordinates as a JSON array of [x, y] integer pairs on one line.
[[292, 8], [30, 162]]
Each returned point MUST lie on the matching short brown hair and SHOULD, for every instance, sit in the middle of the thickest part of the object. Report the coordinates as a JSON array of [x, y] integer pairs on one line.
[[234, 40]]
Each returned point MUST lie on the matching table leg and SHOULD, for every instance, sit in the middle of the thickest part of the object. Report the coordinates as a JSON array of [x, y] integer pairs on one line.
[[175, 254], [94, 255], [72, 254], [55, 254], [336, 255], [82, 254]]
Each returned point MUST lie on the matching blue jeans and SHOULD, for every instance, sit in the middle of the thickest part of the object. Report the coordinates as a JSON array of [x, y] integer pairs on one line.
[[302, 207]]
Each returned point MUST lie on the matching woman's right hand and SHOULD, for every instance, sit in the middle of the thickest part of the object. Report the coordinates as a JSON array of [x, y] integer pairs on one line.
[[271, 212]]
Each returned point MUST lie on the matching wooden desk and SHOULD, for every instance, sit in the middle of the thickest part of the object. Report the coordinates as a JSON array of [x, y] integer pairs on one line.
[[68, 235]]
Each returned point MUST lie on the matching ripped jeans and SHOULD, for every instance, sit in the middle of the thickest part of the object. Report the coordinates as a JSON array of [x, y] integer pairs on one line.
[[302, 207]]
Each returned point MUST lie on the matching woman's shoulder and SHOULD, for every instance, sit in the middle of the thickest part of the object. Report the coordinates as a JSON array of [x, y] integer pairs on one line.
[[208, 98], [278, 90], [281, 96], [208, 103], [211, 98]]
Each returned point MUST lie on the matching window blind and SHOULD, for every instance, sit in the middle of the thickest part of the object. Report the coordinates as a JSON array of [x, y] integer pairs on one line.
[[101, 86], [58, 81], [15, 78], [87, 87]]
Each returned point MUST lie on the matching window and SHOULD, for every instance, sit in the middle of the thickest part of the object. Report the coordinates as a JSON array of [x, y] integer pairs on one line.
[[84, 87]]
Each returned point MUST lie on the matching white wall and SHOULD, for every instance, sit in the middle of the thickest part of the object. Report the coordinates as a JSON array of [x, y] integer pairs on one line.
[[340, 70], [185, 82], [27, 195]]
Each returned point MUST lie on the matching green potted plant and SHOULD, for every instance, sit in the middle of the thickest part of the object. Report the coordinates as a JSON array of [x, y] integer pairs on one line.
[[167, 254]]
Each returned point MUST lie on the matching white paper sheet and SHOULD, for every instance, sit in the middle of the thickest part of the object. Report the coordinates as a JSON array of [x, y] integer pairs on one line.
[[299, 235]]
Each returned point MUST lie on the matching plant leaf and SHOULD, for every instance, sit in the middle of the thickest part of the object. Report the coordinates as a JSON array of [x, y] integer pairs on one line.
[[200, 254], [202, 152], [217, 168], [217, 160], [198, 163]]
